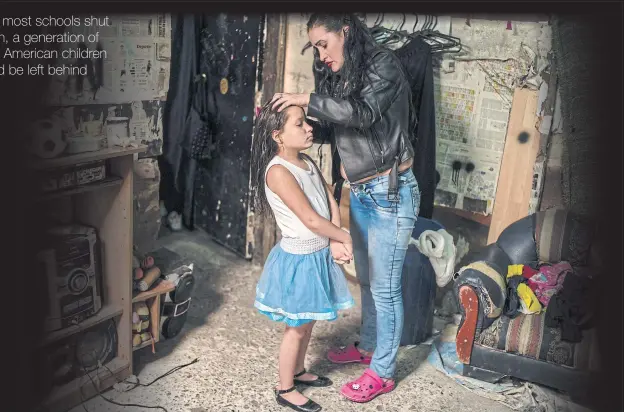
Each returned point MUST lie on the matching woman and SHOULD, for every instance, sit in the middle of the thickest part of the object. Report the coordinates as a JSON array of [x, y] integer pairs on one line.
[[363, 103]]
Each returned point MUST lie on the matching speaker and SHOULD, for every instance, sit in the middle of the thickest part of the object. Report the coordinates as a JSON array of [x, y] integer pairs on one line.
[[184, 282], [71, 267], [173, 318], [176, 309], [170, 327], [175, 306], [97, 346], [80, 353]]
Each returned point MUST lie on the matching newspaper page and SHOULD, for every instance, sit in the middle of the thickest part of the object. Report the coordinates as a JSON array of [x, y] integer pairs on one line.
[[139, 26], [136, 65], [146, 121], [473, 94], [139, 124]]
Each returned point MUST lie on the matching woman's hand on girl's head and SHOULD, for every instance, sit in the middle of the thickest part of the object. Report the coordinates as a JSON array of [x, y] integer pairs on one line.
[[283, 100]]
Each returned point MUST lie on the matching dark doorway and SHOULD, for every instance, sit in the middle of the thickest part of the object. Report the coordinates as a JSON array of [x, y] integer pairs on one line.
[[222, 183]]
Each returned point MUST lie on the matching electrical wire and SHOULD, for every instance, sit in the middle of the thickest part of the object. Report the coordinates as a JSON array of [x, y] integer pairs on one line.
[[105, 398], [136, 384], [118, 403], [173, 370]]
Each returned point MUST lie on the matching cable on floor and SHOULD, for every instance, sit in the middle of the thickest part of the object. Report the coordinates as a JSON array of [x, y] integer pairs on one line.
[[136, 384]]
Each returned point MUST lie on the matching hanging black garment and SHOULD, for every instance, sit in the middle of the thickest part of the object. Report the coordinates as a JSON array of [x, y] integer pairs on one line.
[[202, 122], [416, 58], [177, 168]]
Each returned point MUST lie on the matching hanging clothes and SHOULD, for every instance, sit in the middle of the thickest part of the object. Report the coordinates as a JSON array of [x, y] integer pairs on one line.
[[177, 167], [416, 57]]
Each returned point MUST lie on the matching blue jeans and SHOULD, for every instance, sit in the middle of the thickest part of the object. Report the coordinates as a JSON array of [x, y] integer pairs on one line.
[[381, 231]]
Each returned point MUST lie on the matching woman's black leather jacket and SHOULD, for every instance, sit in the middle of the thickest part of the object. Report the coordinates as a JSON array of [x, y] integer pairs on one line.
[[372, 129]]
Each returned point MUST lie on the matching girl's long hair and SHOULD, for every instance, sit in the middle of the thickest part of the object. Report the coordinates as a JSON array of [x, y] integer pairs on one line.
[[263, 150]]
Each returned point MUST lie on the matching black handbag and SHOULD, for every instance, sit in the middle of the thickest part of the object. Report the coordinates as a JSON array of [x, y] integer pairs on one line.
[[204, 122]]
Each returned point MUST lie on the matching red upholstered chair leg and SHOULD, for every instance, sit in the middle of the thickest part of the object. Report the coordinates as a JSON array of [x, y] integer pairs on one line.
[[466, 334]]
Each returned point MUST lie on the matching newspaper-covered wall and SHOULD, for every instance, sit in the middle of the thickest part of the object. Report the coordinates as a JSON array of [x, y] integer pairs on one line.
[[474, 90], [133, 82], [473, 94], [137, 64]]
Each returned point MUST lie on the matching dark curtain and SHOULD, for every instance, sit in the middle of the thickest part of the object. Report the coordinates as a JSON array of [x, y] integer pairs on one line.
[[417, 60], [177, 168]]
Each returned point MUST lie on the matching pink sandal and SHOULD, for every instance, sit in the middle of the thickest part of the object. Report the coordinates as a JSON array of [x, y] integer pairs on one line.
[[366, 388], [348, 354]]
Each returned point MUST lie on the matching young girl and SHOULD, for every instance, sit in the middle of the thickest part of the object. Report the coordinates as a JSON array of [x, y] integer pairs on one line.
[[301, 283], [363, 101]]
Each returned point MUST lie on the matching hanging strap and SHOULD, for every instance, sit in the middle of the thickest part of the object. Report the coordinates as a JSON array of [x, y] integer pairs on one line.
[[199, 101], [200, 98], [393, 182]]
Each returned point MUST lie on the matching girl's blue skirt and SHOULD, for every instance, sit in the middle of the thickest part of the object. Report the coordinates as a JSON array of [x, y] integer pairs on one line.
[[297, 289]]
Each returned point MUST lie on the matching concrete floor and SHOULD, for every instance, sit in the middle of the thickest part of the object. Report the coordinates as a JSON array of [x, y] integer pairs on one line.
[[237, 350]]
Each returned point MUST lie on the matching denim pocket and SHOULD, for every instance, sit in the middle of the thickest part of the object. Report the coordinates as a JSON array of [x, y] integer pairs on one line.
[[380, 201], [416, 199]]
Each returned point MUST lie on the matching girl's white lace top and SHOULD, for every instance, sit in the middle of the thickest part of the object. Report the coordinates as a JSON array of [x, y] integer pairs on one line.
[[296, 237]]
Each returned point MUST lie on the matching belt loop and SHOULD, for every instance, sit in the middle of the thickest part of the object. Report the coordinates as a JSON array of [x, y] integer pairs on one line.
[[393, 182]]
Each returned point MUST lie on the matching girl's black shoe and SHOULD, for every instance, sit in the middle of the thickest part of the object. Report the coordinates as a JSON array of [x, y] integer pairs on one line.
[[319, 382], [309, 406]]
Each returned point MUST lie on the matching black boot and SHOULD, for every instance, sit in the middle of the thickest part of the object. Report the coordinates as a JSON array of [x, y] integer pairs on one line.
[[319, 382], [309, 406]]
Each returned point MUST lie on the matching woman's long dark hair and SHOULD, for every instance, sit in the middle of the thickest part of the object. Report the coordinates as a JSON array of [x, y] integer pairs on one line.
[[358, 46], [263, 150]]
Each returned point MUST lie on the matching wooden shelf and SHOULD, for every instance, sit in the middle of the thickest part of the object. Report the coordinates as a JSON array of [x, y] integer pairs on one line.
[[70, 160], [107, 182], [117, 366], [152, 299], [143, 345], [475, 217], [164, 286], [110, 212], [107, 312]]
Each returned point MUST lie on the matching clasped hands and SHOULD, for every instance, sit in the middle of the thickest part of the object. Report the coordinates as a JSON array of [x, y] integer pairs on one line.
[[341, 252]]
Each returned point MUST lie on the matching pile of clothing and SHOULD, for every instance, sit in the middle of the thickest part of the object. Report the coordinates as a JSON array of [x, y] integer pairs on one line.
[[564, 296]]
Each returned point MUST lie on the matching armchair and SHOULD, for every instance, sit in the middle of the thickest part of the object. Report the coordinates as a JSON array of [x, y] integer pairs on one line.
[[492, 345]]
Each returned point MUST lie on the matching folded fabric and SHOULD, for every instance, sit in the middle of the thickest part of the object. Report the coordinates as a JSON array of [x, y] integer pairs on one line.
[[520, 297], [514, 270], [528, 272], [438, 246], [529, 302], [512, 303], [549, 280]]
